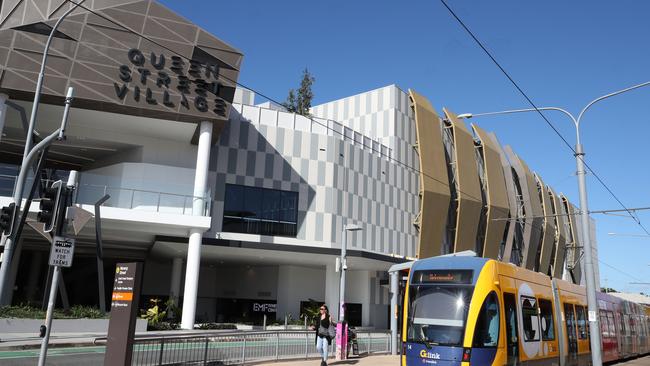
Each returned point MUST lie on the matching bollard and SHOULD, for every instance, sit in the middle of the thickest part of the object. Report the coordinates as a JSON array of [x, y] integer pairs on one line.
[[286, 320], [264, 324]]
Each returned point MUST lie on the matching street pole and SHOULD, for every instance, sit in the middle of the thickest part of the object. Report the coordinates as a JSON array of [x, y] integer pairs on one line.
[[71, 185], [48, 317], [342, 276], [9, 241], [592, 304]]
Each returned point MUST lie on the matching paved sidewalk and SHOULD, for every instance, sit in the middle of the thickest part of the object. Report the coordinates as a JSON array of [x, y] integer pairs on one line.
[[384, 360], [642, 361]]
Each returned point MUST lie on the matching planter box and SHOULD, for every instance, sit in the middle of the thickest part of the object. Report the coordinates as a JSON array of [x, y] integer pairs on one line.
[[14, 325]]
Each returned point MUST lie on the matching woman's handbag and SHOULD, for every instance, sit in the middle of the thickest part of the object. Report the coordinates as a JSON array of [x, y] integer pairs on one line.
[[331, 331]]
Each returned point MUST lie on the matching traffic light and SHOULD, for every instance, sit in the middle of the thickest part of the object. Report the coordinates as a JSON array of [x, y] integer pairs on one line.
[[7, 218], [49, 206]]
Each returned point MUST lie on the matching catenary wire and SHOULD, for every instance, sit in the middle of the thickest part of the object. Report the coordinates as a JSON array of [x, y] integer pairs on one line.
[[514, 83], [325, 125]]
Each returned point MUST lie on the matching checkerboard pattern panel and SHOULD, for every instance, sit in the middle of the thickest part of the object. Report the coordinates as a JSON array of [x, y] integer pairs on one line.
[[338, 180]]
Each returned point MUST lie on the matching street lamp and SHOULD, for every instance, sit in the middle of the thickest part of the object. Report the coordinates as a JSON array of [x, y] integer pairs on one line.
[[341, 329], [594, 329], [344, 268]]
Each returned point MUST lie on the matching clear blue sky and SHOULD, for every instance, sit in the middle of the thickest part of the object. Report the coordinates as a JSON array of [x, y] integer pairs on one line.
[[562, 53]]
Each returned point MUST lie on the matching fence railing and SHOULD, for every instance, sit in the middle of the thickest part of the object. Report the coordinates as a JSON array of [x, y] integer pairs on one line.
[[243, 347], [133, 199]]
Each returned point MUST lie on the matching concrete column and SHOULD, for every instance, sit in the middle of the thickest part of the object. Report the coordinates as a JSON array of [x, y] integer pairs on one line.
[[394, 289], [175, 286], [284, 292], [196, 235], [33, 276], [332, 289], [3, 112]]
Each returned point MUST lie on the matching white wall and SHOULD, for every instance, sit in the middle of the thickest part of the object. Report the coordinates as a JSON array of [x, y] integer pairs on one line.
[[297, 284], [146, 179]]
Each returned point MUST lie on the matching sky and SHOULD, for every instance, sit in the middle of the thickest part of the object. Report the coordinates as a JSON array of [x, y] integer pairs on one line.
[[561, 53]]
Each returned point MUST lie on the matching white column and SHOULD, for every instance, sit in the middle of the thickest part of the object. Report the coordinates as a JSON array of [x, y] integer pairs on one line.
[[332, 289], [177, 273], [3, 112], [196, 235]]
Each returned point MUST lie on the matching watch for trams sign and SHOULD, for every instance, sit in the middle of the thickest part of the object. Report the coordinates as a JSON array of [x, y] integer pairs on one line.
[[177, 79]]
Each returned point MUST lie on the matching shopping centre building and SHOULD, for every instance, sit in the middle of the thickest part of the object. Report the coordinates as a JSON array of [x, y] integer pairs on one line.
[[240, 209]]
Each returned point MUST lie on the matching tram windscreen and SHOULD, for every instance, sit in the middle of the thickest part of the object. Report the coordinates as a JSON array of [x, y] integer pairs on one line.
[[437, 314]]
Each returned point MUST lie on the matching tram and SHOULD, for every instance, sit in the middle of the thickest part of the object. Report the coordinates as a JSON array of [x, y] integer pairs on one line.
[[472, 311]]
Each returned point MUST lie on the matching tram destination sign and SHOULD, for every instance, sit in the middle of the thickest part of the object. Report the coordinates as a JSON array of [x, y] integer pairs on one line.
[[62, 251], [452, 276]]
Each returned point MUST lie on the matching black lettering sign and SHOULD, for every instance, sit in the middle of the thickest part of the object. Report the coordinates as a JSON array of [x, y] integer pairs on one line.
[[136, 57], [121, 90], [163, 79], [125, 73], [203, 79], [143, 75], [167, 100], [159, 63], [177, 65], [219, 107], [149, 97], [201, 103]]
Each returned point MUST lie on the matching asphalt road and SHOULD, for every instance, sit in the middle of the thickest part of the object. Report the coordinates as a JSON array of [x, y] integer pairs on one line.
[[149, 354]]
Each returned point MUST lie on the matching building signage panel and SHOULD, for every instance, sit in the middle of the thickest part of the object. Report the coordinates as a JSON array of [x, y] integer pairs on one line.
[[62, 251], [124, 309], [136, 58]]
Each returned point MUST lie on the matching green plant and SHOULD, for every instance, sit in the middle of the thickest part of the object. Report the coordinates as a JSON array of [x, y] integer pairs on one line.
[[311, 311], [30, 312], [300, 101], [173, 311], [154, 314]]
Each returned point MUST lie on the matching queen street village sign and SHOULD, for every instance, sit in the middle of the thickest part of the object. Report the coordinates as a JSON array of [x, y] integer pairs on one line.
[[131, 57]]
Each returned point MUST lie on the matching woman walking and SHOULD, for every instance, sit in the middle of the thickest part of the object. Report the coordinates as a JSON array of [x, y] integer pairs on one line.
[[323, 334]]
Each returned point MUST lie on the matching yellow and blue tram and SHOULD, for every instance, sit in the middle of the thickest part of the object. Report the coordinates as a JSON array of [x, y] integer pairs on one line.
[[462, 311]]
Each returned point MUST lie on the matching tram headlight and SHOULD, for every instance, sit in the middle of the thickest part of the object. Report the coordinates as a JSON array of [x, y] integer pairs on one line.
[[467, 354]]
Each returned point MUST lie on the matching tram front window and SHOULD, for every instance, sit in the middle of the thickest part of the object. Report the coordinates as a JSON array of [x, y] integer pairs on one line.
[[437, 314]]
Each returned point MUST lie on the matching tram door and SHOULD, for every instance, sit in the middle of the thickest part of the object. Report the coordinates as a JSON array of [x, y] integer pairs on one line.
[[512, 338], [572, 337]]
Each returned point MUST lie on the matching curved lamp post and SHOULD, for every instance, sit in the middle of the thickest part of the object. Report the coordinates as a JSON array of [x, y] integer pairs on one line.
[[594, 329], [18, 190]]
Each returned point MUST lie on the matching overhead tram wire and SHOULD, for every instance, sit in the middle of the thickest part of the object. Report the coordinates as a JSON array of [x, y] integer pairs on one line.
[[620, 271], [386, 156], [557, 132]]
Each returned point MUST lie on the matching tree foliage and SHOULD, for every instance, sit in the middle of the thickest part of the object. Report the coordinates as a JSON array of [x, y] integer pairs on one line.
[[299, 101]]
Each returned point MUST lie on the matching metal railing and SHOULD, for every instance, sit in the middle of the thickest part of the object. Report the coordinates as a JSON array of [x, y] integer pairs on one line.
[[243, 347], [129, 198]]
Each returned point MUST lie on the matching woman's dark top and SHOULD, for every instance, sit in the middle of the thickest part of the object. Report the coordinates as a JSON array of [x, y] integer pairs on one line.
[[325, 323]]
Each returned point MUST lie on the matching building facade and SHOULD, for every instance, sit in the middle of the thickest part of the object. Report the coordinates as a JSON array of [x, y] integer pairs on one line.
[[237, 209]]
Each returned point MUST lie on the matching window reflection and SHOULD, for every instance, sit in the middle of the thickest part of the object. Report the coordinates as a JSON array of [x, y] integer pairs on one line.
[[254, 210]]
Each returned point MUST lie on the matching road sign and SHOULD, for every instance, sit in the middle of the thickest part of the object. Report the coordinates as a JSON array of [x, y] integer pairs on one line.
[[62, 251]]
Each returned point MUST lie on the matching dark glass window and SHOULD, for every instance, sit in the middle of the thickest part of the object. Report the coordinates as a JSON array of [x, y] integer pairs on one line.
[[254, 210], [486, 333], [582, 323], [547, 323]]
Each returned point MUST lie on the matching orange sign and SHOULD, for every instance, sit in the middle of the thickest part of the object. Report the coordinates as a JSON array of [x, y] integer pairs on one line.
[[122, 296]]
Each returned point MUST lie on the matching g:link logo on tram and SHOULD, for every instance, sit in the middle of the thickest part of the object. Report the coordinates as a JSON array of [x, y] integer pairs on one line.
[[430, 355]]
